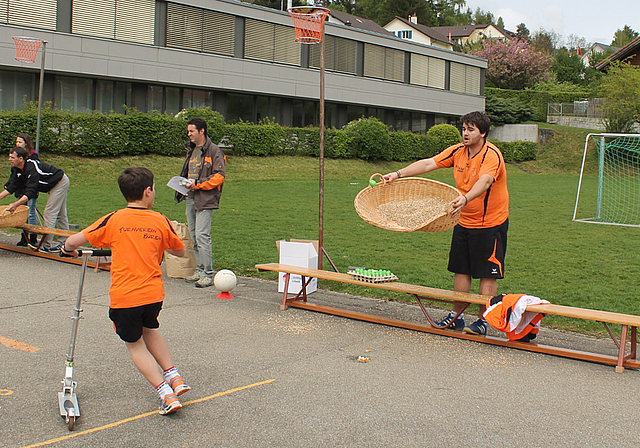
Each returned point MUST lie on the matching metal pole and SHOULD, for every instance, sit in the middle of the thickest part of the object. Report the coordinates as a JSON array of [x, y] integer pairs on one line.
[[321, 154], [44, 52]]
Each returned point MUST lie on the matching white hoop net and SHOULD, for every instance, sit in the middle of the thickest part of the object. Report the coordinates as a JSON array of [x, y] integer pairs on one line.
[[27, 48]]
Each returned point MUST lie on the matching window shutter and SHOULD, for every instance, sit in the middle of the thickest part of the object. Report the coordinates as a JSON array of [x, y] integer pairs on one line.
[[419, 69], [135, 20], [94, 18], [345, 55], [437, 69], [33, 13], [394, 65], [287, 50], [184, 27], [473, 80], [457, 78], [258, 40], [4, 10], [374, 61], [218, 32]]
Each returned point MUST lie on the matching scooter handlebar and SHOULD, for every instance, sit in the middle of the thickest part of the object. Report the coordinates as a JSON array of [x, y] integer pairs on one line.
[[90, 252]]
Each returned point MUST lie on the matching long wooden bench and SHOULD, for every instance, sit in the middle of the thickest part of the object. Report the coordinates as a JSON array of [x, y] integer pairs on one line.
[[629, 323], [42, 230]]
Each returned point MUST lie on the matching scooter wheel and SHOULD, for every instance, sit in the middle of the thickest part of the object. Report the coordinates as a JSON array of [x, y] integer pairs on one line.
[[72, 422]]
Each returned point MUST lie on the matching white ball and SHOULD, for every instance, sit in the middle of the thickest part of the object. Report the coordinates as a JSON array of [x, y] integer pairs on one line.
[[225, 280]]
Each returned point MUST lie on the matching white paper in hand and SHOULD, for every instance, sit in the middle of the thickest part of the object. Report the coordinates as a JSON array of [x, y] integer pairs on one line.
[[175, 184]]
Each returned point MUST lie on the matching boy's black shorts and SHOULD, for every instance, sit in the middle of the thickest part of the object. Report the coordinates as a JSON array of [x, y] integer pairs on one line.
[[479, 252], [129, 322]]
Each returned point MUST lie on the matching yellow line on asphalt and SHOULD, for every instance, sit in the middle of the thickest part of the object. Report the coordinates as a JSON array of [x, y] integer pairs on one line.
[[18, 345], [146, 414]]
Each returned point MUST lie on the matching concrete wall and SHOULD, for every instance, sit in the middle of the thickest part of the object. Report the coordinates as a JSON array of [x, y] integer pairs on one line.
[[515, 133]]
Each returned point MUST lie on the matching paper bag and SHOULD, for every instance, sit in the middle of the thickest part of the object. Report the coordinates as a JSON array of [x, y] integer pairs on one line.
[[181, 267]]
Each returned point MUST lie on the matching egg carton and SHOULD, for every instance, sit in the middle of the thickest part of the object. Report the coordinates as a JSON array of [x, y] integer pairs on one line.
[[363, 277]]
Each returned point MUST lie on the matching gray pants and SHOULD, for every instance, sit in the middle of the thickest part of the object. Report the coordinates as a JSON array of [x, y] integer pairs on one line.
[[199, 223], [56, 210]]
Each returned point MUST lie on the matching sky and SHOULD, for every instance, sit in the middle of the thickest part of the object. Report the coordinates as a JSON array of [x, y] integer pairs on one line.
[[595, 20]]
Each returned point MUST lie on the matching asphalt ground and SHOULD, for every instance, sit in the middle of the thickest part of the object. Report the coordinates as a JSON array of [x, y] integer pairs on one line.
[[263, 377]]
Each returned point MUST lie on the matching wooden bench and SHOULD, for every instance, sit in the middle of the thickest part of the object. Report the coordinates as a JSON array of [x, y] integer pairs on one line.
[[42, 230], [629, 323]]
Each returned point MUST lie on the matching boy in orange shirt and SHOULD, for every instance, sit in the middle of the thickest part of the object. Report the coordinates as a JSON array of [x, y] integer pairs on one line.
[[138, 236]]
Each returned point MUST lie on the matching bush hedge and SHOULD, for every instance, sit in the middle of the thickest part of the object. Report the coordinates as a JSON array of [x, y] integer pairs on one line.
[[537, 99], [98, 135]]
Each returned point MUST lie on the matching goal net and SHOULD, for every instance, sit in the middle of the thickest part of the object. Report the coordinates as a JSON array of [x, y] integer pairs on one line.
[[611, 194]]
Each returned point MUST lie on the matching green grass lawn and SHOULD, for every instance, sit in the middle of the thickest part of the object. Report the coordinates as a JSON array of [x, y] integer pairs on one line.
[[267, 199]]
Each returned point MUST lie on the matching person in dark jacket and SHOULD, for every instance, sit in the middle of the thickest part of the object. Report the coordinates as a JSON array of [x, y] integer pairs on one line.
[[204, 167], [24, 141], [30, 176]]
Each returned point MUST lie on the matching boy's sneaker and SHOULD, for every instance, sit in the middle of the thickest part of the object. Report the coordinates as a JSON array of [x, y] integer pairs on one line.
[[458, 324], [169, 404], [204, 282], [193, 278], [178, 385], [52, 249], [479, 327]]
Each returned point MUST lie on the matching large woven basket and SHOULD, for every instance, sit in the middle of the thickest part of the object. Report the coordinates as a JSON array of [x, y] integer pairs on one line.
[[416, 189], [17, 218]]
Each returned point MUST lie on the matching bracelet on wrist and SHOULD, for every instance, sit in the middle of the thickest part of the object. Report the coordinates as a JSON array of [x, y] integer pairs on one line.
[[398, 173], [466, 199]]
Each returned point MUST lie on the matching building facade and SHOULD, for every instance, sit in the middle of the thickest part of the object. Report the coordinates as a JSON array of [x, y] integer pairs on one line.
[[239, 59]]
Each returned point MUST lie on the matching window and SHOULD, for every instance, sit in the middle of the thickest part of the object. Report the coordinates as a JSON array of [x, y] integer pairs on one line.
[[122, 97], [405, 34], [31, 13], [340, 55], [154, 98], [171, 100], [133, 20], [74, 94], [16, 88], [384, 63], [239, 107], [104, 96], [196, 98], [270, 42]]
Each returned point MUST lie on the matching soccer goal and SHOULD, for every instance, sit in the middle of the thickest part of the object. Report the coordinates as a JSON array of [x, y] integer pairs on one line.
[[612, 195]]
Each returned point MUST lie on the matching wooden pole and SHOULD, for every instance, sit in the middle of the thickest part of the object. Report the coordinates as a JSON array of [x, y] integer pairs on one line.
[[321, 156]]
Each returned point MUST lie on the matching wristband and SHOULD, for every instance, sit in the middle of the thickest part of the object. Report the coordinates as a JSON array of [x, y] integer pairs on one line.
[[466, 200], [398, 173]]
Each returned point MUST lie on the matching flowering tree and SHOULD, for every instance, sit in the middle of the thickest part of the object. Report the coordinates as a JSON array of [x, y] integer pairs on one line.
[[514, 64]]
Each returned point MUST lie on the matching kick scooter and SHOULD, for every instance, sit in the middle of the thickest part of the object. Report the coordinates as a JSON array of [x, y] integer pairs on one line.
[[68, 400]]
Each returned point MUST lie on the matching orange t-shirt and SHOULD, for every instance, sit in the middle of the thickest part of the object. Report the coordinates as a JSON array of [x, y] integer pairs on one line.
[[491, 208], [138, 238]]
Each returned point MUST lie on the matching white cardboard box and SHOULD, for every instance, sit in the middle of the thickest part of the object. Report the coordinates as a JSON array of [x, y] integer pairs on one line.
[[298, 254]]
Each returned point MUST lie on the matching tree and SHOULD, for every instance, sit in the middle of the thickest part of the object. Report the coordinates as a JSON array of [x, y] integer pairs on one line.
[[623, 36], [513, 64], [568, 67], [500, 23], [481, 17], [522, 32], [621, 88], [576, 43], [546, 41]]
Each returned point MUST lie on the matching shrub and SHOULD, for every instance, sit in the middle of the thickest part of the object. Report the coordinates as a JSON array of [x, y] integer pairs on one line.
[[215, 121], [517, 151], [370, 139], [446, 133], [508, 111]]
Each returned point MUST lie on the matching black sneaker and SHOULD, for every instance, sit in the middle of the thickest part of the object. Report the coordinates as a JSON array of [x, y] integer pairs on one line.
[[458, 324], [479, 327]]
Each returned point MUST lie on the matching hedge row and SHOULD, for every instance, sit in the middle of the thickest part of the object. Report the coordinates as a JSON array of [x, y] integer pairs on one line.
[[99, 135], [538, 100]]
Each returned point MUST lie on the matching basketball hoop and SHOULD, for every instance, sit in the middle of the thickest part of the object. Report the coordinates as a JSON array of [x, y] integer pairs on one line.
[[27, 48], [308, 21]]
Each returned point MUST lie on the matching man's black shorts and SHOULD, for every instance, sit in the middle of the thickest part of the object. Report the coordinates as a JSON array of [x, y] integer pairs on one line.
[[479, 252], [129, 322]]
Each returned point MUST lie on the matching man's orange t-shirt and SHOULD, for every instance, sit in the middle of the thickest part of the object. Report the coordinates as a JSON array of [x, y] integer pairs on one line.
[[491, 208], [138, 238]]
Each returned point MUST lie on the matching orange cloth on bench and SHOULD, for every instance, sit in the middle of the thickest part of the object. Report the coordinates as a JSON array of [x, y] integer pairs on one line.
[[507, 312]]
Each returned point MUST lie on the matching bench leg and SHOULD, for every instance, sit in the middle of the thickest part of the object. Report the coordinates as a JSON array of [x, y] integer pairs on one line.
[[302, 293], [432, 322], [622, 349]]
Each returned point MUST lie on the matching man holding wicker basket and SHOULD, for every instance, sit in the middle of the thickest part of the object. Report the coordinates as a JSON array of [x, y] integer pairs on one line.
[[479, 240]]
